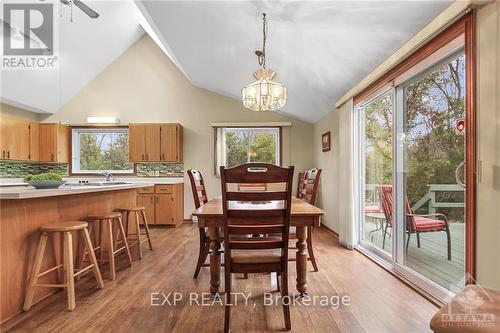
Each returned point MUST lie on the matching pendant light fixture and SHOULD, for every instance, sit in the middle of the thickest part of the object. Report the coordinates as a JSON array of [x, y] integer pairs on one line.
[[264, 94]]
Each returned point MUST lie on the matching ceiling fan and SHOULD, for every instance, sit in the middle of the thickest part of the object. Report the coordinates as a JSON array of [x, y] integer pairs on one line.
[[83, 7]]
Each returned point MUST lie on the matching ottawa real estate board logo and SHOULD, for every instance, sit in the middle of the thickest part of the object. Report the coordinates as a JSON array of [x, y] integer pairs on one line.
[[28, 35]]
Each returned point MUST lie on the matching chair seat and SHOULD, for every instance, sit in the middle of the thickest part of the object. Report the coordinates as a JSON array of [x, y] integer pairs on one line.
[[255, 256], [106, 216], [64, 226], [131, 209], [427, 224]]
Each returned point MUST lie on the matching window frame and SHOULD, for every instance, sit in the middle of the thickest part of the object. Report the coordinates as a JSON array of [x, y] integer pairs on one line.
[[72, 171], [217, 150]]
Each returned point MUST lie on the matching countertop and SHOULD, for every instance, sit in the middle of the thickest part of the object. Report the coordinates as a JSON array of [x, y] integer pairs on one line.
[[30, 192], [136, 180]]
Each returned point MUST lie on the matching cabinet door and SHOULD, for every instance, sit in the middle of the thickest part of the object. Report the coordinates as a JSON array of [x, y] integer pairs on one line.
[[63, 133], [178, 204], [34, 141], [137, 142], [20, 147], [4, 135], [169, 143], [48, 142], [148, 201], [153, 142], [163, 209]]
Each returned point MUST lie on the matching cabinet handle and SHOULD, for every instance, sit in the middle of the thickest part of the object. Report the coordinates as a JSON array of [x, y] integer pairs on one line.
[[151, 199], [143, 157], [157, 199], [51, 157], [3, 153], [163, 156], [8, 154], [147, 158]]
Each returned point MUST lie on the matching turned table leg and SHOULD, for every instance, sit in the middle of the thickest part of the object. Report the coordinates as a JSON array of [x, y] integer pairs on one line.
[[301, 260], [213, 236]]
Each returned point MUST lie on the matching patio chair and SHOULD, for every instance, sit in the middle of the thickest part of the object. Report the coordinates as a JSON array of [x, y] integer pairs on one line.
[[415, 223]]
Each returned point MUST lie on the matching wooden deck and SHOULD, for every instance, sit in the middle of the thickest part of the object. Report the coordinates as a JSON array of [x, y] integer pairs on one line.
[[430, 259]]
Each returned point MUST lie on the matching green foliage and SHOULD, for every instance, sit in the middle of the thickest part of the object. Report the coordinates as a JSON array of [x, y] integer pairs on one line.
[[244, 146], [43, 177], [104, 151], [433, 149]]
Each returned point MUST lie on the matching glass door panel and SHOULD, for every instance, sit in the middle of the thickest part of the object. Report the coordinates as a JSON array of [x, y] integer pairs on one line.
[[432, 199], [375, 167]]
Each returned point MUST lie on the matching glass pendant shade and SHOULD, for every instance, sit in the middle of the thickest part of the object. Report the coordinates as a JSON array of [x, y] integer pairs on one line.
[[264, 94]]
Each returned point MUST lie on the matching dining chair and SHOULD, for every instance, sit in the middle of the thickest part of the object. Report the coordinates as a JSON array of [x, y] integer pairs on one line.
[[200, 198], [306, 190], [249, 219]]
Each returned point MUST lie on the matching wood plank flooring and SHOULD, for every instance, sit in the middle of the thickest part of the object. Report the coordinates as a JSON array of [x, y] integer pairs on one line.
[[379, 301]]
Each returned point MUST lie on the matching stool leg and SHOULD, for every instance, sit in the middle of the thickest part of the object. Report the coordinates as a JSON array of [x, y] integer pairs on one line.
[[69, 269], [111, 250], [28, 302], [82, 252], [139, 244], [122, 231], [146, 226], [93, 260]]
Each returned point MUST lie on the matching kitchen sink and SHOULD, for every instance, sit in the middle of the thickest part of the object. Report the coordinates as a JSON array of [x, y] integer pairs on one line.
[[104, 183]]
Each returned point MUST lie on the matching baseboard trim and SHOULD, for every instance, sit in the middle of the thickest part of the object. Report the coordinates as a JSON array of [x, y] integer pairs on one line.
[[333, 232]]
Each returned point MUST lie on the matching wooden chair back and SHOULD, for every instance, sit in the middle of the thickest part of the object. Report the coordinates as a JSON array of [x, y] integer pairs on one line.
[[309, 187], [197, 187], [251, 213]]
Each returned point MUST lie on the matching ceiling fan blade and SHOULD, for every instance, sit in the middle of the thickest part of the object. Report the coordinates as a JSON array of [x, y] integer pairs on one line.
[[86, 9]]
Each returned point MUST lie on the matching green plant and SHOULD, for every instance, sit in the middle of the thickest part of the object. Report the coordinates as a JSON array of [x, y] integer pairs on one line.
[[44, 177]]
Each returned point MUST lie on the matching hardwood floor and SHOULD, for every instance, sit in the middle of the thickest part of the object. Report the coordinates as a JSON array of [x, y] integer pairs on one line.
[[379, 302]]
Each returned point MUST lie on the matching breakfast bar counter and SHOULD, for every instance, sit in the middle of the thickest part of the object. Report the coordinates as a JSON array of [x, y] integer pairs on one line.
[[24, 210]]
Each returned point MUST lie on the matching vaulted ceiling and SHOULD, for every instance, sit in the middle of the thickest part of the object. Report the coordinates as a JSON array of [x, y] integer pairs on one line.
[[86, 47], [319, 49]]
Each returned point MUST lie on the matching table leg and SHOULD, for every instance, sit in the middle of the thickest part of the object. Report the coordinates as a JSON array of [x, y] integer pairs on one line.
[[213, 236], [301, 260]]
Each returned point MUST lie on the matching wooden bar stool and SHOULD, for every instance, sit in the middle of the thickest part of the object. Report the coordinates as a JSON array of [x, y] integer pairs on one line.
[[137, 240], [105, 223], [67, 265]]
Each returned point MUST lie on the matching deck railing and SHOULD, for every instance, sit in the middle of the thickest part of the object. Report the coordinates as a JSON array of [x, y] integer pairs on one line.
[[429, 198]]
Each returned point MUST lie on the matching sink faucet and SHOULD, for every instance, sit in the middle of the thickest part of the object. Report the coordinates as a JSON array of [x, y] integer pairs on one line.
[[109, 176]]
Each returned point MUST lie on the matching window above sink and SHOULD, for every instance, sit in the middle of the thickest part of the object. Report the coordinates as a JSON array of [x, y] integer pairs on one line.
[[98, 149]]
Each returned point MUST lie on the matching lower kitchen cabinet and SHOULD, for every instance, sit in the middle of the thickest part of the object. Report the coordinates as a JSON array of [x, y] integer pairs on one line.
[[164, 203]]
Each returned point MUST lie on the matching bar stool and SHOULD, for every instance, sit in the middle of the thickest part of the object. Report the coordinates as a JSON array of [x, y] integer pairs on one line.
[[104, 222], [67, 266], [137, 240]]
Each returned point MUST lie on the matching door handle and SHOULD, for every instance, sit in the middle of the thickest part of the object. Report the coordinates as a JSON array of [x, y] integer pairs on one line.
[[457, 174]]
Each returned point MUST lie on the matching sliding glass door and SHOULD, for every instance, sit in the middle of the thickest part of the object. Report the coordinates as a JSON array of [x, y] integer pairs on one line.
[[430, 192], [410, 166], [374, 120]]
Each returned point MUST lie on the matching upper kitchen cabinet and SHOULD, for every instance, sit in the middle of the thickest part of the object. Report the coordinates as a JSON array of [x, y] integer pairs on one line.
[[171, 142], [155, 142], [15, 138], [54, 143]]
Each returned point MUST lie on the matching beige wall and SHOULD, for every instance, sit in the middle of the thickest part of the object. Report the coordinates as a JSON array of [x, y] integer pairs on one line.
[[488, 131], [143, 85], [328, 193]]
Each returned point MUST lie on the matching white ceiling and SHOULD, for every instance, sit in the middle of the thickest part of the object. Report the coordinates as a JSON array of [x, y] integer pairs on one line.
[[87, 46], [319, 49]]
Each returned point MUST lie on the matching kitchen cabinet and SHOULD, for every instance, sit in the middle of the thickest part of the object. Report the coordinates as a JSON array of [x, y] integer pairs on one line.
[[164, 203], [171, 142], [15, 138], [54, 143], [34, 142], [155, 142]]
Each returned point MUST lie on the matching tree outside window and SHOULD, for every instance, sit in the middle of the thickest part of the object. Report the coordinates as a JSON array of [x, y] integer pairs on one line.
[[244, 145]]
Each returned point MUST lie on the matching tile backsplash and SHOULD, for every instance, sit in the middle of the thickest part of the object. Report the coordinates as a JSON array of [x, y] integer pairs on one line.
[[152, 169], [20, 169]]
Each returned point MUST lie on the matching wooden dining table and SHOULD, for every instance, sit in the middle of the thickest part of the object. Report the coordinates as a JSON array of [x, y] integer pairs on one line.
[[303, 215]]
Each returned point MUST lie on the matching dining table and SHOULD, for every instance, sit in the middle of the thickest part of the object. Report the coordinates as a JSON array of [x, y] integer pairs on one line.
[[303, 215]]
